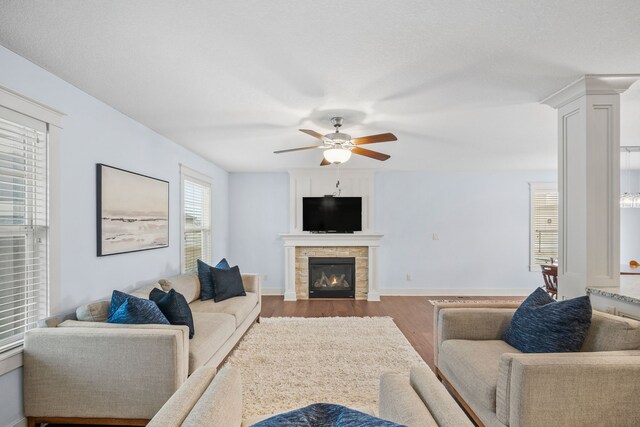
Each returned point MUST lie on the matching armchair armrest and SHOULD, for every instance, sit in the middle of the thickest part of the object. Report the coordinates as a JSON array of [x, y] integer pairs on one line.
[[103, 371], [461, 322], [569, 389]]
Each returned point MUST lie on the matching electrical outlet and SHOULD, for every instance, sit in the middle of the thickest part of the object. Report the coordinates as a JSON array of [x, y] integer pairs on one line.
[[435, 236], [265, 277], [408, 277]]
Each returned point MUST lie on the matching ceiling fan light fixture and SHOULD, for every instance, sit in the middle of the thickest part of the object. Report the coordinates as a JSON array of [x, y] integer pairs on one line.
[[337, 155]]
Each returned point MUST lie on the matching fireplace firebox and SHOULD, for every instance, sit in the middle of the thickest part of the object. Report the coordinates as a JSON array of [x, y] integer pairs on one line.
[[331, 277]]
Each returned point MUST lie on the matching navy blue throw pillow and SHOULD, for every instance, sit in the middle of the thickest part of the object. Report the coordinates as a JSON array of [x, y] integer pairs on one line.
[[543, 325], [325, 415], [138, 311], [117, 299], [204, 275], [227, 283], [175, 308]]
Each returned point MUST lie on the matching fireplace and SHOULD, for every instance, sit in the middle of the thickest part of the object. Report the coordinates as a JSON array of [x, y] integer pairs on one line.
[[332, 277]]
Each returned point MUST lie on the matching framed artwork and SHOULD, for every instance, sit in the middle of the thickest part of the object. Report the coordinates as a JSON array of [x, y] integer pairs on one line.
[[132, 211]]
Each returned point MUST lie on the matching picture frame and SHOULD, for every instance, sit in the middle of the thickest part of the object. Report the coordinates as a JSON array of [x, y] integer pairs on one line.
[[132, 211]]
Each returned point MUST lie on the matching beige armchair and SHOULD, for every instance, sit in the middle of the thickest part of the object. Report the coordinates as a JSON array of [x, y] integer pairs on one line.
[[500, 386]]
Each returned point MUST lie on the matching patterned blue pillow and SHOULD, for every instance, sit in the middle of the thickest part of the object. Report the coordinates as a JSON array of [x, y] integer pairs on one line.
[[207, 290], [138, 311], [543, 325], [325, 415], [175, 308], [117, 298]]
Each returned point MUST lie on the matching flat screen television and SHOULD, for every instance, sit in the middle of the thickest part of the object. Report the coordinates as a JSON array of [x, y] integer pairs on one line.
[[332, 214]]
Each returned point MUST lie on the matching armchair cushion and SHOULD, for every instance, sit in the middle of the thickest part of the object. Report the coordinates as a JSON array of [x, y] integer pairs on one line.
[[473, 366], [543, 325], [186, 284], [94, 312]]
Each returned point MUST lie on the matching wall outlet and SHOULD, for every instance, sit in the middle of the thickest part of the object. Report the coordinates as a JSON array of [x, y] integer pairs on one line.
[[265, 277], [435, 236], [408, 277]]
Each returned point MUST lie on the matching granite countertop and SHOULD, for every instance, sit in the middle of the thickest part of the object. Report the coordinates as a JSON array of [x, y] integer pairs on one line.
[[628, 291]]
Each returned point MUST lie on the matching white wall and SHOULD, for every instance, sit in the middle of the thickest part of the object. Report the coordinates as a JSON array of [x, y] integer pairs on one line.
[[629, 219], [482, 220], [258, 214], [96, 133]]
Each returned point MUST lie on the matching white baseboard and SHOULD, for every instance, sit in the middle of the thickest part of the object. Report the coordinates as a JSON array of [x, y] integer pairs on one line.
[[19, 423], [471, 292]]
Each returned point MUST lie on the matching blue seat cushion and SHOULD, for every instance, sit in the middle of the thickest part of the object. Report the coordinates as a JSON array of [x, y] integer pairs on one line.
[[325, 415], [543, 325]]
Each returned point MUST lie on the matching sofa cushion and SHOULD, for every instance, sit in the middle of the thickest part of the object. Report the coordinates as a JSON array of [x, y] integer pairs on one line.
[[206, 282], [227, 283], [144, 291], [472, 367], [612, 333], [174, 307], [543, 325], [214, 329], [239, 307], [185, 284], [94, 312]]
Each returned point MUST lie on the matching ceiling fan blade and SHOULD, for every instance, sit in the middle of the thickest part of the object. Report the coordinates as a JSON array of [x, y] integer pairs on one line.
[[313, 133], [299, 149], [325, 162], [370, 153], [372, 139]]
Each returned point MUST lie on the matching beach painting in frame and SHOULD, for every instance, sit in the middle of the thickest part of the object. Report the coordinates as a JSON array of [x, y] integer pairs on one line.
[[133, 211]]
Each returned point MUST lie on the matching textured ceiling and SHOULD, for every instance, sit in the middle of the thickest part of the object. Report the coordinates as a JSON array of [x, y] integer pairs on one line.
[[457, 81]]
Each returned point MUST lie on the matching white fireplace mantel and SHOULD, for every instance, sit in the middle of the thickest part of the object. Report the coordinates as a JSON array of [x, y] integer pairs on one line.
[[293, 240]]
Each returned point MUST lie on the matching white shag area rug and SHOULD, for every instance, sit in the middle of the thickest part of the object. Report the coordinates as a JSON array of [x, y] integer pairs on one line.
[[473, 301], [288, 363]]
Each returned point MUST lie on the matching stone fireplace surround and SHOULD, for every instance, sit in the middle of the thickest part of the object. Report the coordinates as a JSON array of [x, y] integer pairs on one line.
[[300, 246]]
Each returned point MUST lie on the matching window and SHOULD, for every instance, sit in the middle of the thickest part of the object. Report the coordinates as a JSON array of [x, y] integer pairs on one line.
[[23, 225], [196, 219], [544, 224]]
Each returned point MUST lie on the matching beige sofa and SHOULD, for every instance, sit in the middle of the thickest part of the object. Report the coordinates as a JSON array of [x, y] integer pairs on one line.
[[500, 386], [420, 401], [82, 372], [211, 400]]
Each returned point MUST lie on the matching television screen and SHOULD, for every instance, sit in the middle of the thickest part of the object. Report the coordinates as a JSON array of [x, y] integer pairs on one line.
[[332, 214]]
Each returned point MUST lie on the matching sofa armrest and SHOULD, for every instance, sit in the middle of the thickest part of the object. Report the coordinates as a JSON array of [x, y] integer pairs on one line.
[[251, 283], [461, 322], [221, 403], [569, 389], [102, 372]]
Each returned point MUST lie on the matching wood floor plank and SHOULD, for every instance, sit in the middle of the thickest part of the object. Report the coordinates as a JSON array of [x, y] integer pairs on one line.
[[413, 315]]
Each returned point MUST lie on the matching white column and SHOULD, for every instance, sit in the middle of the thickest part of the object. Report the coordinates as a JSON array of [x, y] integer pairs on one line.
[[290, 273], [589, 182], [374, 292]]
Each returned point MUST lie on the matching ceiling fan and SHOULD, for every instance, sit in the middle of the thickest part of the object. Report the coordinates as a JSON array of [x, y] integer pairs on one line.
[[338, 146]]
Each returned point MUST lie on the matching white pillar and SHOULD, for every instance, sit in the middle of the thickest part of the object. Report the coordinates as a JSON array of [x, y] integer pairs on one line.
[[373, 293], [290, 273], [589, 182]]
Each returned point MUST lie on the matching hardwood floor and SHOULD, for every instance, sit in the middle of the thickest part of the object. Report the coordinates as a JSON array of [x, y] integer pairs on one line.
[[413, 315]]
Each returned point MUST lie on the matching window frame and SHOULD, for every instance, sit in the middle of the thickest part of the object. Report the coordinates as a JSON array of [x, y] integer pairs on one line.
[[187, 173], [533, 188], [11, 358]]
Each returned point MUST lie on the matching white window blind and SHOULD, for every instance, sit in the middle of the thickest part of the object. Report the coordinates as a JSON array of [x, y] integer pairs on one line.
[[544, 224], [23, 225], [196, 209]]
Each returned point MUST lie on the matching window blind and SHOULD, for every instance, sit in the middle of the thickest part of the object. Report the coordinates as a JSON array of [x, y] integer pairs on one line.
[[545, 226], [197, 223], [23, 225]]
